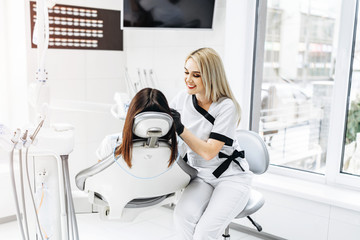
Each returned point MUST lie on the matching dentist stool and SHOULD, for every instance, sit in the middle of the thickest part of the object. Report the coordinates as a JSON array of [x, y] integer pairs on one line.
[[257, 156], [120, 192]]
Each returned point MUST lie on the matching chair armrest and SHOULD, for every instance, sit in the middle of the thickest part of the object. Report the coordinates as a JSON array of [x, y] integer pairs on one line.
[[91, 171], [187, 168]]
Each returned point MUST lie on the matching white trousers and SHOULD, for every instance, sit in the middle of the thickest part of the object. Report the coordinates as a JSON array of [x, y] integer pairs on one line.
[[206, 209]]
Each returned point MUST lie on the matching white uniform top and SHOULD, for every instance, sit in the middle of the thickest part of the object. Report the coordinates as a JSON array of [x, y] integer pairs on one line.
[[219, 123]]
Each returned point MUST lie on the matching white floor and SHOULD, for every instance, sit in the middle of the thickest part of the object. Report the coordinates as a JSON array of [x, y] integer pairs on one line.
[[154, 224]]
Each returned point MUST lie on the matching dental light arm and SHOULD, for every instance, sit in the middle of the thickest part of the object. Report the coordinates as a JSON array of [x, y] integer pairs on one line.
[[39, 93]]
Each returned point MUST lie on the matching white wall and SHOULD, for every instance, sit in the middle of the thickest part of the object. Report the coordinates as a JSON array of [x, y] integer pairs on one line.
[[298, 209], [165, 50], [238, 59]]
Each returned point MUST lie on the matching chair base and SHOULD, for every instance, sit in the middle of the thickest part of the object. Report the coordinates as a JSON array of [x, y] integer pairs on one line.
[[226, 235]]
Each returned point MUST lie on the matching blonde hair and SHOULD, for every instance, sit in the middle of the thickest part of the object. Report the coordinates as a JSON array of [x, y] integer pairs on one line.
[[213, 76]]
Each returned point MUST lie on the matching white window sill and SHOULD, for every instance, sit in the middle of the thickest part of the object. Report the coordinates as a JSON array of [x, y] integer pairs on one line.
[[317, 192]]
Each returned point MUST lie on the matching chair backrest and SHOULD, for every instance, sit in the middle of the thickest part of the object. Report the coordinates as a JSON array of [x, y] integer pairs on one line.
[[152, 125], [256, 152], [150, 157]]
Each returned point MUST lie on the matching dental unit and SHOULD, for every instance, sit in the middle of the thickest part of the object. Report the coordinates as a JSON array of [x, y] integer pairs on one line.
[[46, 148]]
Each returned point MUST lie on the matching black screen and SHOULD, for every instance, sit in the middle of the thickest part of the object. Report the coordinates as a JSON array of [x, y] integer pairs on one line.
[[168, 13]]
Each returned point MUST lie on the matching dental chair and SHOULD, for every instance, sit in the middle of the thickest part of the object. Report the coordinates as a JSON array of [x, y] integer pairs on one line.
[[257, 156], [120, 192]]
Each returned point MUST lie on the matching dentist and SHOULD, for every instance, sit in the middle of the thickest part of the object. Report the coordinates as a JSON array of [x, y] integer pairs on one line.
[[206, 116]]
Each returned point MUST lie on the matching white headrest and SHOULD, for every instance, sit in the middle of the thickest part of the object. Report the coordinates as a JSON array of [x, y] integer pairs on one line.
[[149, 121]]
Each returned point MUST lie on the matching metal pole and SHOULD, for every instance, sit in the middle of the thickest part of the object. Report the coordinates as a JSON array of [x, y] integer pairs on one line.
[[74, 226], [226, 234]]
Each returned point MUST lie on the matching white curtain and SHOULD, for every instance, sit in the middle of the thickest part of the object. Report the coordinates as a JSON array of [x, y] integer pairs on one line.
[[4, 113], [13, 63]]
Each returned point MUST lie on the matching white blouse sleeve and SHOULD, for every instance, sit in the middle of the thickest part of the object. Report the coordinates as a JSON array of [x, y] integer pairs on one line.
[[224, 128]]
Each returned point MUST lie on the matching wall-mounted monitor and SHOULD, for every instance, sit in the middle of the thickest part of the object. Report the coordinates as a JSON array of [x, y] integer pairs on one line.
[[168, 14]]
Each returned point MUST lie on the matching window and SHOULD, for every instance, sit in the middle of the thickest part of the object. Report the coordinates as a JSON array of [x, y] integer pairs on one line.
[[301, 40], [351, 151]]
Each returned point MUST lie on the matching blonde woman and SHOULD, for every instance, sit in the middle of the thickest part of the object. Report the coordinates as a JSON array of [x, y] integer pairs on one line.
[[206, 116]]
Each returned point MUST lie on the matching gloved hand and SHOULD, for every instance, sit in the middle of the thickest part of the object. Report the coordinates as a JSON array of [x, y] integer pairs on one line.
[[179, 127]]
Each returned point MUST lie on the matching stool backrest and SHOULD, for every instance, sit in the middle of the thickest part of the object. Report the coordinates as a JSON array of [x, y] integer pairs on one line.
[[256, 152]]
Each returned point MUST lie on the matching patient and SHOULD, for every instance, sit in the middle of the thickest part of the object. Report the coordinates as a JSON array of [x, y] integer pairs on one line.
[[147, 99]]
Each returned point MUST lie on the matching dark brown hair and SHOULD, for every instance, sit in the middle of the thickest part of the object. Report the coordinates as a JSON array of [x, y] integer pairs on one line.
[[147, 99]]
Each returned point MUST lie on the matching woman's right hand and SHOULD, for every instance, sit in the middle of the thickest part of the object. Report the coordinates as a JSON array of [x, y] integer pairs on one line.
[[179, 127]]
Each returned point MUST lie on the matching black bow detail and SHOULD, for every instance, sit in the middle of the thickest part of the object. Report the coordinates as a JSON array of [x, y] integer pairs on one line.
[[225, 165]]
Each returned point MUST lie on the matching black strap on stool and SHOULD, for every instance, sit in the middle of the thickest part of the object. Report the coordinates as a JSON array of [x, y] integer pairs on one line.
[[225, 165]]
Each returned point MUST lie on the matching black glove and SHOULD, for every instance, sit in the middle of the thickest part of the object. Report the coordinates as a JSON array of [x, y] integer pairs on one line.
[[179, 127]]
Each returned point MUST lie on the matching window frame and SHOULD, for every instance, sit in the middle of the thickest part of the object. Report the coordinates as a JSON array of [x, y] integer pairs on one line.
[[337, 130], [343, 71]]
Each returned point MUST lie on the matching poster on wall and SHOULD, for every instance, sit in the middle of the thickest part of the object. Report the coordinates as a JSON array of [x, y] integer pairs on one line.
[[77, 27]]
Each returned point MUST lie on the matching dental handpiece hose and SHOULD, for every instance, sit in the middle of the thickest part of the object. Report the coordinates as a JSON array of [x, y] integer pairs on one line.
[[32, 139], [33, 136], [23, 139], [31, 193], [15, 141]]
